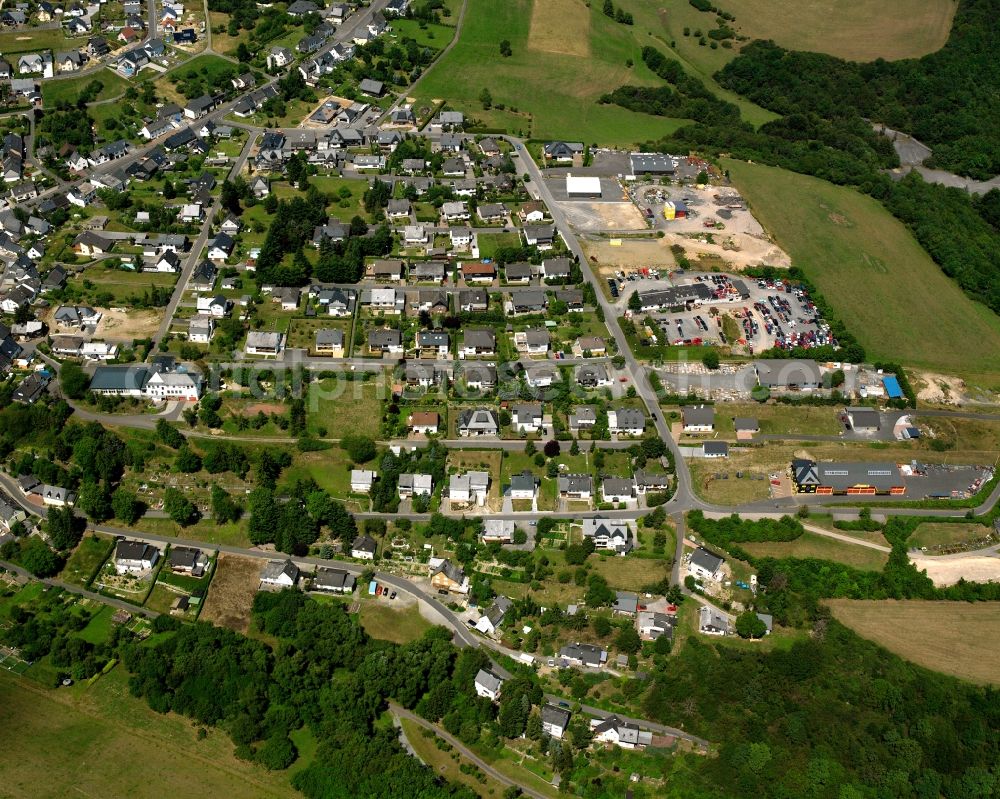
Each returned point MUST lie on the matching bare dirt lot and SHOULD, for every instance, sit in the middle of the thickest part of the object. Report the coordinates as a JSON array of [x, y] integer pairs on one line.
[[949, 569], [935, 388], [231, 594], [603, 216], [127, 325], [631, 254]]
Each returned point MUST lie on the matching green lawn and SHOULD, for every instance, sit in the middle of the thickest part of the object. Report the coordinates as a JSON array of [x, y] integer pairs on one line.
[[34, 40], [53, 91], [388, 623], [99, 627], [123, 283], [550, 85], [887, 290], [489, 243], [342, 406], [86, 559], [100, 727], [811, 545], [931, 534]]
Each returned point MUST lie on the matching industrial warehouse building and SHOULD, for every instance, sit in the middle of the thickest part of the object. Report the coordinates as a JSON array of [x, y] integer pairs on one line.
[[674, 297], [653, 163], [810, 477], [583, 186], [788, 374]]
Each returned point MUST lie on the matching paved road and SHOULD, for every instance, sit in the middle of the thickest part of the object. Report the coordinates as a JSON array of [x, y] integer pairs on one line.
[[468, 754], [196, 248], [76, 589]]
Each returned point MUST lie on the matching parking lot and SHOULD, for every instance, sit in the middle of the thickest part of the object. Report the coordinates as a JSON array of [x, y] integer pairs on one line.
[[767, 313]]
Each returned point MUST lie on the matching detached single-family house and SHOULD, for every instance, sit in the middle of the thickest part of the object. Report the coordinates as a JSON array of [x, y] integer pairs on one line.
[[415, 485], [363, 548], [625, 734], [478, 422], [527, 418], [698, 418], [610, 534], [587, 655], [576, 486], [446, 576], [334, 581], [469, 487], [555, 720], [362, 480], [260, 342], [499, 531], [626, 421], [705, 565], [187, 560], [478, 341], [618, 489], [425, 422], [279, 574], [135, 557], [712, 621], [488, 685]]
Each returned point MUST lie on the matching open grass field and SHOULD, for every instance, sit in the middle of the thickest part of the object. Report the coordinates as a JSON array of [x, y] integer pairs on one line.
[[879, 280], [343, 406], [445, 764], [34, 40], [779, 419], [53, 91], [549, 86], [90, 553], [231, 533], [957, 638], [630, 574], [98, 729], [231, 594], [811, 545], [399, 625], [930, 534], [122, 283], [863, 31]]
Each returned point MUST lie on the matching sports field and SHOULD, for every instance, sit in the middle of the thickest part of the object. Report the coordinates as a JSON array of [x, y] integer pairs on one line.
[[564, 57], [957, 638], [879, 280], [861, 31], [99, 741]]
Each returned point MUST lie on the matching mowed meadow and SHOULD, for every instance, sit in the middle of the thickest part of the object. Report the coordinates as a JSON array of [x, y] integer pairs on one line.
[[957, 638], [564, 57], [878, 279], [859, 31]]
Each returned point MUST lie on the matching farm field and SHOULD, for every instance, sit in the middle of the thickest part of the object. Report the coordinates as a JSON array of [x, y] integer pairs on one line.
[[54, 91], [231, 594], [811, 545], [857, 32], [101, 727], [399, 625], [563, 59], [958, 638], [910, 311]]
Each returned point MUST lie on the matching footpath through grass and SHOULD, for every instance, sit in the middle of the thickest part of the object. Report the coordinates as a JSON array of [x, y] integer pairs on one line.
[[884, 286]]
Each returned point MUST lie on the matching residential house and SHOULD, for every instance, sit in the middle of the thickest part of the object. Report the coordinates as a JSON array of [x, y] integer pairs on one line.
[[478, 341], [187, 560], [334, 581], [364, 548], [593, 375], [518, 274], [362, 480], [201, 327], [624, 734], [652, 625], [475, 272], [415, 485], [698, 418], [260, 342], [477, 422], [555, 720], [626, 603], [556, 270], [475, 300], [705, 565], [745, 427], [329, 342], [587, 655], [712, 621], [609, 534], [498, 531], [461, 237], [447, 576], [278, 574], [626, 421], [455, 211], [488, 685], [576, 486], [470, 487], [715, 449], [135, 557], [527, 417], [525, 302], [424, 422], [540, 236], [618, 489], [534, 341], [385, 341]]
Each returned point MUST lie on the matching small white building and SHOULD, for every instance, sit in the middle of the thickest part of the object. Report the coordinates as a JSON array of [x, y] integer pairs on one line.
[[488, 685], [279, 574], [362, 480], [705, 565]]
